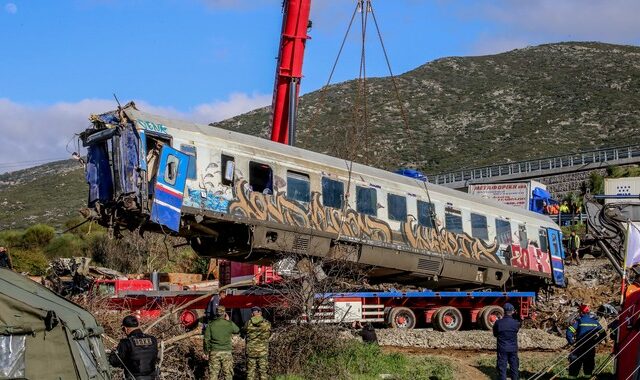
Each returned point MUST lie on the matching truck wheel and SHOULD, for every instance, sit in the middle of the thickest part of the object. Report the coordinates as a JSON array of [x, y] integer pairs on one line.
[[189, 319], [489, 315], [448, 318], [402, 318]]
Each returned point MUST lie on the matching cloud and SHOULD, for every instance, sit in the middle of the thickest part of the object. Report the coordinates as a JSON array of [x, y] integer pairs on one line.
[[536, 21], [32, 135], [11, 8]]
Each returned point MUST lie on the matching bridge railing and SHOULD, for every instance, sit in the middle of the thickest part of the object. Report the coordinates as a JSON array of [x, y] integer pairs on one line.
[[538, 165]]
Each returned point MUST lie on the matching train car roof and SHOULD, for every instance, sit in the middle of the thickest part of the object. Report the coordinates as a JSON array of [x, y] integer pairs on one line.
[[303, 154]]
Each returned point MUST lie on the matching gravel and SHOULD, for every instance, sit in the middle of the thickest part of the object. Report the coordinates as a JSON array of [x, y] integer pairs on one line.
[[528, 339]]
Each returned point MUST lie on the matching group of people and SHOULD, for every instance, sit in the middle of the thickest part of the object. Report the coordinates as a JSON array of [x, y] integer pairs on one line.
[[561, 208], [583, 335], [137, 354]]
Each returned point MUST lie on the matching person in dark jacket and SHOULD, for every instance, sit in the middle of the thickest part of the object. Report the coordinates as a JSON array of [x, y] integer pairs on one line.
[[506, 332], [584, 334], [5, 259], [212, 308], [367, 332], [137, 354]]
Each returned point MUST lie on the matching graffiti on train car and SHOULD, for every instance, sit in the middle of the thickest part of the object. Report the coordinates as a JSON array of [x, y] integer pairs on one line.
[[444, 241], [278, 208]]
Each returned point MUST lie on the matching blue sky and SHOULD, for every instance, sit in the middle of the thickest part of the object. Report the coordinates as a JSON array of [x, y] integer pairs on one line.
[[207, 60]]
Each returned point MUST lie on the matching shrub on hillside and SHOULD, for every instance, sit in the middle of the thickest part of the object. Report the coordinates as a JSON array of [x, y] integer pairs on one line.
[[33, 262], [11, 238], [65, 245], [37, 236]]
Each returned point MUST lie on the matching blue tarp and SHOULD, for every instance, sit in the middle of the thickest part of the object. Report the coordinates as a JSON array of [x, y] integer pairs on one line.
[[412, 173]]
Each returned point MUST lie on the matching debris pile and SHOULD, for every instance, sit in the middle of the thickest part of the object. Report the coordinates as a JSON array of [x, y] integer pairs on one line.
[[594, 282]]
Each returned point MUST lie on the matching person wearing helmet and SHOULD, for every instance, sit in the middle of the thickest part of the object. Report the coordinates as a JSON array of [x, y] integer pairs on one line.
[[137, 354], [217, 345], [506, 331], [584, 334], [257, 331]]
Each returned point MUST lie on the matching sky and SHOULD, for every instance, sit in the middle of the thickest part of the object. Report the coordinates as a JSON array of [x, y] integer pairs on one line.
[[208, 60]]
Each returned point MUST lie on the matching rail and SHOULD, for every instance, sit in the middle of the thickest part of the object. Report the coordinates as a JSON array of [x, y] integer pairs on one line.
[[531, 168]]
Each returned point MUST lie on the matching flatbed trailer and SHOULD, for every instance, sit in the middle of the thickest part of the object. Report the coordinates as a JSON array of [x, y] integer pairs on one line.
[[444, 310]]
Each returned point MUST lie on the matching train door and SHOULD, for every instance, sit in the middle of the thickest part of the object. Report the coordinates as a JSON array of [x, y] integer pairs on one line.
[[557, 256], [169, 187]]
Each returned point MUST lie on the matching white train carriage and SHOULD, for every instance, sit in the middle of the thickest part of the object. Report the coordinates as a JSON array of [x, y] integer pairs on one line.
[[246, 198]]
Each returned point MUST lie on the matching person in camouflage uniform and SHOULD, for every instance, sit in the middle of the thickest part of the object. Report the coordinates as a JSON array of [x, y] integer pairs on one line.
[[257, 331], [217, 344]]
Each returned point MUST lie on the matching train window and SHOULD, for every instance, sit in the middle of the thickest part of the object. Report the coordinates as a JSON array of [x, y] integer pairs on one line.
[[298, 186], [332, 192], [260, 177], [366, 200], [190, 150], [544, 242], [425, 214], [397, 206], [453, 220], [171, 171], [479, 226], [503, 231], [522, 235], [227, 165]]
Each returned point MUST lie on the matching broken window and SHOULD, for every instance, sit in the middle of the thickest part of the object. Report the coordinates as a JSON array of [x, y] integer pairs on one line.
[[171, 171], [479, 226], [227, 165], [366, 200], [332, 192], [190, 150], [260, 177], [503, 231], [397, 206], [12, 356], [426, 213], [298, 186], [522, 235]]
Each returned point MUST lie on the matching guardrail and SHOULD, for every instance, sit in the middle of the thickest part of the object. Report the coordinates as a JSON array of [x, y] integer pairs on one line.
[[530, 167]]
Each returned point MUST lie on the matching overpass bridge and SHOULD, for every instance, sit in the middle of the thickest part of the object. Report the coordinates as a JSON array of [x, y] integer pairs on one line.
[[539, 168]]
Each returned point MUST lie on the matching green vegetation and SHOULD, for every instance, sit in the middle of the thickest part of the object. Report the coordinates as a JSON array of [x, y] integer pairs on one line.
[[356, 360], [531, 364]]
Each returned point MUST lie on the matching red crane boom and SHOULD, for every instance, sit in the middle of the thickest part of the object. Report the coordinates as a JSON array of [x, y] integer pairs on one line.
[[295, 22]]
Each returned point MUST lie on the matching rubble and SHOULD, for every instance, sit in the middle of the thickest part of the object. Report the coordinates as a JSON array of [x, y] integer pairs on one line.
[[594, 282]]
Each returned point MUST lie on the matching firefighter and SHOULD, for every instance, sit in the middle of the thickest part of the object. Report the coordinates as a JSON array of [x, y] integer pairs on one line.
[[257, 331], [217, 344], [584, 334], [506, 332], [137, 354]]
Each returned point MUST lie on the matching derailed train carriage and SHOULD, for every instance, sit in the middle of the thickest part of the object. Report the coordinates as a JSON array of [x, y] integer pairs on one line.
[[248, 199]]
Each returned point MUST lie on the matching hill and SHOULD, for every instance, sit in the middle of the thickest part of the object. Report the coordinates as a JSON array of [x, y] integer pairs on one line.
[[461, 112], [471, 111], [50, 194]]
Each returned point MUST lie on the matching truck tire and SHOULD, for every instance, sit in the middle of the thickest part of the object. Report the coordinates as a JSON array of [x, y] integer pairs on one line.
[[489, 315], [402, 318], [448, 318]]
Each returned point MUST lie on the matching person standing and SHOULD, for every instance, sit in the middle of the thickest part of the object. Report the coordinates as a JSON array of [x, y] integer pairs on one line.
[[584, 334], [217, 345], [137, 354], [212, 308], [5, 259], [574, 246], [506, 332], [257, 331]]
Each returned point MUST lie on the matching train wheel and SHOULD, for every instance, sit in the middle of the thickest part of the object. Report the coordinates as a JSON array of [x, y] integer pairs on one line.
[[448, 318], [402, 318], [489, 315]]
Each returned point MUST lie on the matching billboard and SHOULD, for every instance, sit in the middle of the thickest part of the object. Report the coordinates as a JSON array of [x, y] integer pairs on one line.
[[514, 194]]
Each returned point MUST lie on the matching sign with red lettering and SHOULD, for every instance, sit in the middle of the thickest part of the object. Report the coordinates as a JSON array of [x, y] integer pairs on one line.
[[513, 194]]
